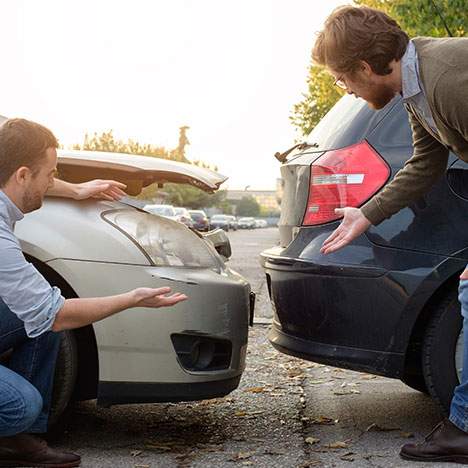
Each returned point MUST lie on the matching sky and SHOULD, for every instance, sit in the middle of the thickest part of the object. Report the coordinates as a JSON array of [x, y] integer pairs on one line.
[[230, 70]]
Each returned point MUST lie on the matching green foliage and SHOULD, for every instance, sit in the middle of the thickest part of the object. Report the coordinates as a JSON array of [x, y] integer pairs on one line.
[[248, 206], [420, 18], [107, 142], [319, 99], [416, 17], [192, 197], [177, 194]]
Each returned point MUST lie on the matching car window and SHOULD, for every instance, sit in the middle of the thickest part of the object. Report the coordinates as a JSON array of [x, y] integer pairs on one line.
[[347, 122]]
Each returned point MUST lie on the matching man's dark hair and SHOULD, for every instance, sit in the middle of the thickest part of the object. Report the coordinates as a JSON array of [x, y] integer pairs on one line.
[[23, 143], [352, 34]]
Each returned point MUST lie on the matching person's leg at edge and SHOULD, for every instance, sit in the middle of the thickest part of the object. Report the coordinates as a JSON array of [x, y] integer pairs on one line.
[[459, 405], [448, 441], [34, 359], [25, 396]]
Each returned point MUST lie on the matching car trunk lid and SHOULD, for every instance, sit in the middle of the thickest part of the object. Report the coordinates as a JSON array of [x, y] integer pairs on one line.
[[135, 171]]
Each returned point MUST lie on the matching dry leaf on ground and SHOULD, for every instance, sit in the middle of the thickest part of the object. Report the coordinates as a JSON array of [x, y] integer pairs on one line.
[[242, 456], [324, 420], [337, 445], [350, 456], [312, 440]]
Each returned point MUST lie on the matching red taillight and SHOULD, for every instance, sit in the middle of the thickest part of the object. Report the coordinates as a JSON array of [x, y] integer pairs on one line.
[[344, 177]]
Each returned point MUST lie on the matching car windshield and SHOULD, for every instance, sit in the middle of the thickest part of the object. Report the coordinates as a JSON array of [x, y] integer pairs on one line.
[[346, 123], [180, 211], [219, 218]]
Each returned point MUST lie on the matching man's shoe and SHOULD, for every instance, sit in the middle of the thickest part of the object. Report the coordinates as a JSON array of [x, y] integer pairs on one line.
[[445, 443], [24, 450]]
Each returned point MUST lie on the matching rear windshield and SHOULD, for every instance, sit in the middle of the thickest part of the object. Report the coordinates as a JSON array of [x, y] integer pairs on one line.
[[348, 122]]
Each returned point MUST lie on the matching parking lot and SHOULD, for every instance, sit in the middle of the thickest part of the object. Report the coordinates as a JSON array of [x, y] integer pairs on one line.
[[286, 412]]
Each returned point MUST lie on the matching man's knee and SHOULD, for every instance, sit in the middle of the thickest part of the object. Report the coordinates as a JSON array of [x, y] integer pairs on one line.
[[20, 406]]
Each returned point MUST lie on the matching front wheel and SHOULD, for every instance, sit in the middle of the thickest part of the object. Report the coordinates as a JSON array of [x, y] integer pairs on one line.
[[442, 356], [66, 371]]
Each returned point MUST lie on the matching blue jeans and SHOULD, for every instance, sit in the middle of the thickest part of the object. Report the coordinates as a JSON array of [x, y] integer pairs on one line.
[[26, 384], [459, 405]]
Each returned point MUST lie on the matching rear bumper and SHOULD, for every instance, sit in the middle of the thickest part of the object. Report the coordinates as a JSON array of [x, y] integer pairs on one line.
[[363, 360], [356, 308]]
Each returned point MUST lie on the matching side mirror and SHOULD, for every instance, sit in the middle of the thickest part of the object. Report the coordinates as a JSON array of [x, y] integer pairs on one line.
[[221, 242]]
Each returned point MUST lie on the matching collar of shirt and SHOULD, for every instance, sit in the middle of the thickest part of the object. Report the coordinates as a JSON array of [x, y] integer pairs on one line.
[[9, 211], [409, 73]]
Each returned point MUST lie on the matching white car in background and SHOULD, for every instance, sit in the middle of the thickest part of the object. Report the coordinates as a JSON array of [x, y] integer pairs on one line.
[[91, 248], [168, 211]]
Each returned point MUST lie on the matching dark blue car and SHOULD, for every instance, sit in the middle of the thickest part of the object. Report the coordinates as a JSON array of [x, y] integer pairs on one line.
[[387, 303]]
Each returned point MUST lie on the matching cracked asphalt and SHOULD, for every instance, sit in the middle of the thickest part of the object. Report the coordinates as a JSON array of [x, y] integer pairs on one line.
[[286, 412]]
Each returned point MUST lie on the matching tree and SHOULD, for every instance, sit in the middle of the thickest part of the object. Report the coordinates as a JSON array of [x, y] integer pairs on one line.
[[416, 17], [177, 194], [248, 206]]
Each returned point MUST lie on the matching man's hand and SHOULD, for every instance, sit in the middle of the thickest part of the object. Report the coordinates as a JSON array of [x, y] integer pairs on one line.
[[157, 297], [103, 189], [353, 225]]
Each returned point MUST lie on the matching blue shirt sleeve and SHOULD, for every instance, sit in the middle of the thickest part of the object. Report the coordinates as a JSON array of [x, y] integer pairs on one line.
[[23, 289]]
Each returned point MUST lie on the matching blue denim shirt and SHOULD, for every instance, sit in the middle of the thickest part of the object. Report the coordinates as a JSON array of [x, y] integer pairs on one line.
[[22, 288], [412, 90]]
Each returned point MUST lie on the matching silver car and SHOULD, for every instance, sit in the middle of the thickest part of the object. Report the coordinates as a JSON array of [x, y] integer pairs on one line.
[[192, 351]]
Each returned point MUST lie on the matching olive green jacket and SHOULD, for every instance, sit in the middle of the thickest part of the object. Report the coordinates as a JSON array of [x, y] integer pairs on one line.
[[443, 70]]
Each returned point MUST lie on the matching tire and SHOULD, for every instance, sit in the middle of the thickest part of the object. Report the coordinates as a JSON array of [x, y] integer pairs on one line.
[[416, 382], [439, 350], [65, 377]]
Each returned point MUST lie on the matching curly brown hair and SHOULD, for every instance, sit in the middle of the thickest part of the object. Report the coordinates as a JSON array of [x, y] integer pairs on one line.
[[23, 143], [352, 34]]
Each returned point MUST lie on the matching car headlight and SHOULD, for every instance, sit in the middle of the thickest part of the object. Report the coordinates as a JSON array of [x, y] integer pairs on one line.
[[166, 242]]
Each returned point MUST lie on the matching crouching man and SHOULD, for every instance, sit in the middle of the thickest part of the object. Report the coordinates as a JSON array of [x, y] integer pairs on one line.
[[32, 312]]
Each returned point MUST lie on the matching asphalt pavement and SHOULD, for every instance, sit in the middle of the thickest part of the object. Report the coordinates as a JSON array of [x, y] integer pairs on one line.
[[286, 412]]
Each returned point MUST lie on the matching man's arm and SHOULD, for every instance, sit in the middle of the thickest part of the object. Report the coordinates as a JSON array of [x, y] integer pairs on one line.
[[103, 189], [418, 175], [77, 313]]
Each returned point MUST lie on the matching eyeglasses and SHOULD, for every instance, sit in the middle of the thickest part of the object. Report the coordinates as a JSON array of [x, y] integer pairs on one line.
[[340, 82]]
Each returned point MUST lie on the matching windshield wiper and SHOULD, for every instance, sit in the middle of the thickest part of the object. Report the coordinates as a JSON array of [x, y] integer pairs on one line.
[[281, 157]]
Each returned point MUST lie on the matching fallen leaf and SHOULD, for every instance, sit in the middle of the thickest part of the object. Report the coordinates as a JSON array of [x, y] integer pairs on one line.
[[240, 414], [350, 391], [324, 420], [406, 435], [337, 445], [274, 452], [316, 382], [377, 428], [310, 463], [255, 389], [135, 453], [350, 456], [368, 377], [312, 440], [141, 466], [242, 456]]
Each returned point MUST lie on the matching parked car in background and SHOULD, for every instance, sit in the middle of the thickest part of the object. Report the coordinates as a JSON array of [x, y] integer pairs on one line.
[[92, 248], [200, 220], [220, 221], [183, 216], [233, 224], [168, 211], [387, 303], [260, 223], [246, 223]]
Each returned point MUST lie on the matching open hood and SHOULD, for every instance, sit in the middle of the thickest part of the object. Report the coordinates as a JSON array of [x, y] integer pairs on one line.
[[134, 170]]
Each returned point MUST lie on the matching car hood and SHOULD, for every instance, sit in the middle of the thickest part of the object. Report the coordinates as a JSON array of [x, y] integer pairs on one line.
[[134, 170]]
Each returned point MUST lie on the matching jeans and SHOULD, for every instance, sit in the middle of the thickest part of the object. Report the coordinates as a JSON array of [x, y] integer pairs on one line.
[[459, 405], [26, 384]]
